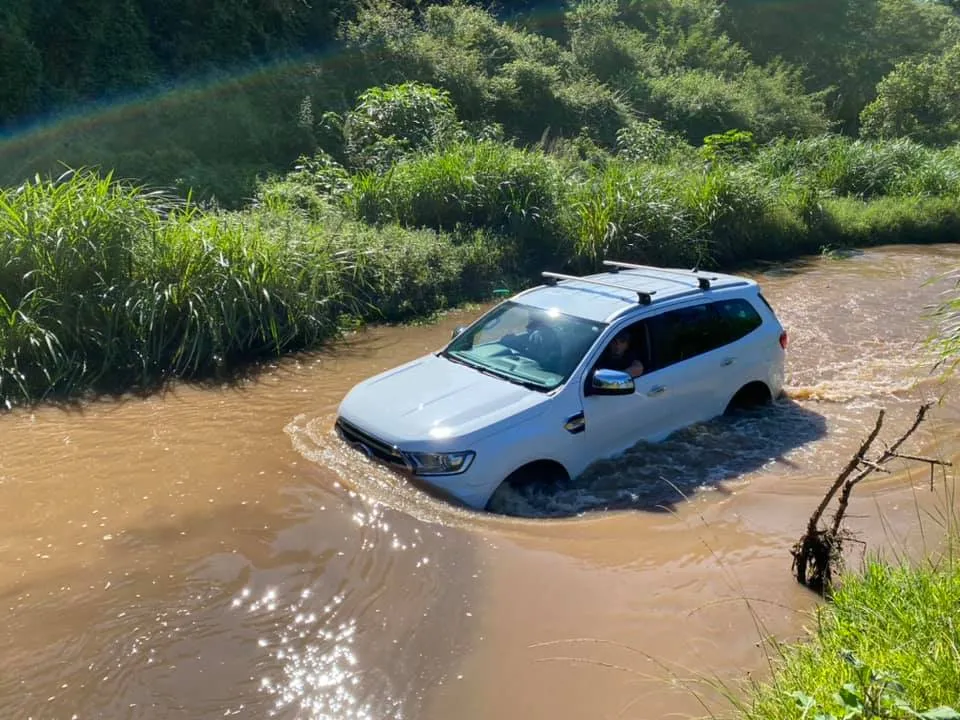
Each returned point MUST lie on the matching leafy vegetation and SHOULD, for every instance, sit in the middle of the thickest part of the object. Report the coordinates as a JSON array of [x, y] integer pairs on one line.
[[211, 97], [108, 286], [382, 159], [886, 647]]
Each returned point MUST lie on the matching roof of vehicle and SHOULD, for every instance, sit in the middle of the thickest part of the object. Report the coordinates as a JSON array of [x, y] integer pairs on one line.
[[603, 296]]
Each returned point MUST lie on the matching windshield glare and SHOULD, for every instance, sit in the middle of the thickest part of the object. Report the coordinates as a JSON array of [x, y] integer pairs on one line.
[[534, 347]]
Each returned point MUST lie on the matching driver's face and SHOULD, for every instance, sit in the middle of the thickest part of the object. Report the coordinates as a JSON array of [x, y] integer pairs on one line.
[[620, 345]]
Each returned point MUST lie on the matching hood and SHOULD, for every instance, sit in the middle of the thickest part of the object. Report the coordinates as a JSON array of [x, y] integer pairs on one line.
[[433, 401]]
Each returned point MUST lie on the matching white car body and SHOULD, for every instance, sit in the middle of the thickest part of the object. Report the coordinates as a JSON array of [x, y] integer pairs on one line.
[[464, 429]]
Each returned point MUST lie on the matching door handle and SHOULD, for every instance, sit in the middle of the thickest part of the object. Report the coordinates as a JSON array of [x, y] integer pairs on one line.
[[728, 361], [656, 390], [575, 424]]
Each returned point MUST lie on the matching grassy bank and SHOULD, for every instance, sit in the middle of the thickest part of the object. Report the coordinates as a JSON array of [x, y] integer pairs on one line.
[[888, 646], [106, 286]]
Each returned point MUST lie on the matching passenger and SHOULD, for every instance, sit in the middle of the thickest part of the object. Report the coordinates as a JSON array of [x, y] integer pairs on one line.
[[622, 354]]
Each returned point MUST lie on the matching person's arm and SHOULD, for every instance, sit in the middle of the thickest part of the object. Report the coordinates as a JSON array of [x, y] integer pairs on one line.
[[635, 369]]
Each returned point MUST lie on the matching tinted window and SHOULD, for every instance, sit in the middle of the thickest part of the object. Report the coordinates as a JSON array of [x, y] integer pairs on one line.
[[681, 334], [737, 319]]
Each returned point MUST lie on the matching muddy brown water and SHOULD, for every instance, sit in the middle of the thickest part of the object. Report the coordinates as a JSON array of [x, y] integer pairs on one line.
[[216, 553]]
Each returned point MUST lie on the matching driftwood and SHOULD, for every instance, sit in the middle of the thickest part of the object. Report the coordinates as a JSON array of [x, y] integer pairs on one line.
[[818, 552]]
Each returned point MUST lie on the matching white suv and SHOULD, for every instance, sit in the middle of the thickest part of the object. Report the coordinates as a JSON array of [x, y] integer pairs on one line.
[[567, 373]]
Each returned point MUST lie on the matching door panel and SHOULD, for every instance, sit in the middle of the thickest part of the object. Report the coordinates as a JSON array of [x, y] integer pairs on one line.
[[614, 423]]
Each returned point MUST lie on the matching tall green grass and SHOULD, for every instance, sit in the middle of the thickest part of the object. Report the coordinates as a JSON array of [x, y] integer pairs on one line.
[[864, 169], [106, 286], [789, 198]]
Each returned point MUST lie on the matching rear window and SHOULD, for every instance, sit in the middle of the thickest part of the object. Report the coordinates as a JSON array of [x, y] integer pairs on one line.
[[738, 318]]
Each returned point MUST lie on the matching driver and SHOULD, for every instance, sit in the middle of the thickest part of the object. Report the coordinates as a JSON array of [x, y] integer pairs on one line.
[[622, 354], [539, 342]]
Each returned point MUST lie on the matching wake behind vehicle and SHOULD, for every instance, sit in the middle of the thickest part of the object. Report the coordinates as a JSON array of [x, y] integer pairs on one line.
[[567, 373]]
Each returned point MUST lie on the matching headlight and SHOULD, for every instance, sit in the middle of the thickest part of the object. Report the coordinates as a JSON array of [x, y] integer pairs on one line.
[[440, 463]]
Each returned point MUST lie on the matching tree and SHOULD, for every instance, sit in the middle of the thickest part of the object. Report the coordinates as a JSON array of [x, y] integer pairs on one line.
[[919, 99], [846, 46]]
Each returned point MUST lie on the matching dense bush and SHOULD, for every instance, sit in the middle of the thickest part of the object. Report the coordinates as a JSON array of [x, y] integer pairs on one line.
[[211, 99], [919, 99], [471, 185]]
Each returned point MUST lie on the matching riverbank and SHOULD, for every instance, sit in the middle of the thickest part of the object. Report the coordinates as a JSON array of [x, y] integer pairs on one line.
[[110, 287], [884, 647]]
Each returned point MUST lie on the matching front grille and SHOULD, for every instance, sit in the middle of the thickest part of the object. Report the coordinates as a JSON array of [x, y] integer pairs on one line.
[[377, 448]]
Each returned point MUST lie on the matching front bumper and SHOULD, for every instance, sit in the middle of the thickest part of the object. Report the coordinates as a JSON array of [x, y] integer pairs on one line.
[[470, 487]]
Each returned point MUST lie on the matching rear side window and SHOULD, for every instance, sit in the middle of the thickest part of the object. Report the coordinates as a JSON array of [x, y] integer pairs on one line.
[[682, 334], [737, 319]]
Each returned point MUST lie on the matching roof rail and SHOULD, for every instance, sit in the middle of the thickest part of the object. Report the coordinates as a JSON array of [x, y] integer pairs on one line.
[[702, 282], [644, 298]]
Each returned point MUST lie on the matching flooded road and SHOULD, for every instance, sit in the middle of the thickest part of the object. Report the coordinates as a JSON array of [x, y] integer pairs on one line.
[[213, 553]]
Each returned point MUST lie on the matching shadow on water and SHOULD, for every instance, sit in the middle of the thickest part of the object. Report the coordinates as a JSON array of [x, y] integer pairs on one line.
[[656, 477]]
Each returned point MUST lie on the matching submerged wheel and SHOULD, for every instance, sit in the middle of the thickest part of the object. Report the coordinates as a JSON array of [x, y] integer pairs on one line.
[[546, 472], [751, 395]]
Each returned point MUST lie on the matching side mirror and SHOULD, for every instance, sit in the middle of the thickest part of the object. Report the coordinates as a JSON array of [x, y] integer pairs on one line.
[[457, 331], [611, 382]]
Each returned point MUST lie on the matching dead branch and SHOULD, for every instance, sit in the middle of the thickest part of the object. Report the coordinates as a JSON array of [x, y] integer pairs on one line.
[[873, 465], [921, 458], [847, 471], [818, 551]]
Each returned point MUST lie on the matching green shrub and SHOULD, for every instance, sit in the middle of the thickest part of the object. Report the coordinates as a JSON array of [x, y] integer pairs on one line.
[[388, 123], [473, 185], [648, 141]]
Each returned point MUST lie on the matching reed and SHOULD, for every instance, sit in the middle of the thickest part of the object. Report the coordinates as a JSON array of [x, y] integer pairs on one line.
[[107, 286]]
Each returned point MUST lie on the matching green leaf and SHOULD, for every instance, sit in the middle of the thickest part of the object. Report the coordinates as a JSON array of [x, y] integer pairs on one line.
[[940, 713], [849, 696]]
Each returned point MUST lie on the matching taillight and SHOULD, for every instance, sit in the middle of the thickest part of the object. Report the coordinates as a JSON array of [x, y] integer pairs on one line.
[[784, 340]]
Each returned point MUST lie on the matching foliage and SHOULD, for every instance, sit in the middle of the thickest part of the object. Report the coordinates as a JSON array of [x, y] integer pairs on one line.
[[882, 649], [648, 141], [845, 46], [388, 123], [861, 168], [873, 695], [733, 145], [919, 99], [106, 286], [224, 94], [470, 185]]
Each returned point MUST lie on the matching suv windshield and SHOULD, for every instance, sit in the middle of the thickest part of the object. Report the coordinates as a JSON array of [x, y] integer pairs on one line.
[[526, 345]]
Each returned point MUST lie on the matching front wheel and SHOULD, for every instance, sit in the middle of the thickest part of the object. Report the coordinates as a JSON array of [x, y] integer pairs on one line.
[[541, 473]]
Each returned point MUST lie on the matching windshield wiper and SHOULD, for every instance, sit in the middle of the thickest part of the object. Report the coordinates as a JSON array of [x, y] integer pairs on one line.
[[493, 373]]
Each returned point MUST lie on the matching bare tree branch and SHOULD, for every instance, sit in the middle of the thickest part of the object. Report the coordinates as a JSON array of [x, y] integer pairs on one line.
[[817, 552]]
